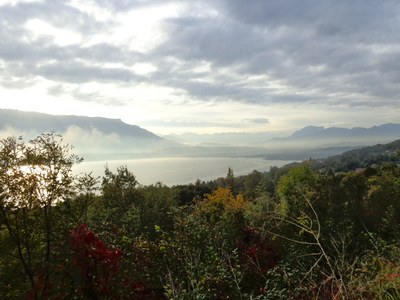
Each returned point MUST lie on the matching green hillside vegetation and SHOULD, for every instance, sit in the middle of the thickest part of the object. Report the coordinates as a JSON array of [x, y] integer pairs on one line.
[[364, 157], [304, 231]]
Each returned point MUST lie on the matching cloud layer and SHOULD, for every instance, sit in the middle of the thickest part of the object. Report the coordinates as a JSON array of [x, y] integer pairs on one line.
[[188, 55]]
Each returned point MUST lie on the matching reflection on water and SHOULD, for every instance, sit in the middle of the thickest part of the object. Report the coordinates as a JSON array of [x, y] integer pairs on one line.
[[180, 170]]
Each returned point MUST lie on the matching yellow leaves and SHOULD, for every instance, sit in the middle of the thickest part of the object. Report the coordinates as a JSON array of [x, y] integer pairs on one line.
[[238, 203], [223, 199]]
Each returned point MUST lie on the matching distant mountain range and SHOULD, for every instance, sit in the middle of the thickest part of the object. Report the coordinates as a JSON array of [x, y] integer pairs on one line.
[[96, 137], [392, 130], [311, 137], [226, 139], [307, 138]]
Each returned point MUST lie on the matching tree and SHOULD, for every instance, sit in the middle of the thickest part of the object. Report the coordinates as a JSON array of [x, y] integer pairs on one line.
[[230, 178], [293, 186], [253, 185], [200, 257], [34, 177]]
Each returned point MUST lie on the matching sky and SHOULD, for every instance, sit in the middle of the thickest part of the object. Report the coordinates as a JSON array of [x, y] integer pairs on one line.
[[204, 66]]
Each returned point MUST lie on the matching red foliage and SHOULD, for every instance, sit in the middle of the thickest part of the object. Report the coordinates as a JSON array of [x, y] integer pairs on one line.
[[253, 247], [256, 255], [99, 268], [96, 262]]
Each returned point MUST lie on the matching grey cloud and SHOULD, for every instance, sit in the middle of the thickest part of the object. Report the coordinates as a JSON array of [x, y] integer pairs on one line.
[[322, 47], [55, 12], [364, 19], [42, 51], [257, 121], [95, 97], [219, 41], [67, 64], [330, 51], [68, 72], [16, 83], [43, 57], [78, 73], [272, 13], [124, 5]]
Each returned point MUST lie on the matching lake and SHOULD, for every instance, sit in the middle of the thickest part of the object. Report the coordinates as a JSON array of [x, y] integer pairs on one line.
[[180, 170]]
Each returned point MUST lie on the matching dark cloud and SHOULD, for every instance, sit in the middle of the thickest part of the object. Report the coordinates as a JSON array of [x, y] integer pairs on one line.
[[316, 49], [220, 41]]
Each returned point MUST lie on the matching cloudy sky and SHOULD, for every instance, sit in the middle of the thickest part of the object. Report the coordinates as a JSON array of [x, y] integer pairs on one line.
[[204, 66]]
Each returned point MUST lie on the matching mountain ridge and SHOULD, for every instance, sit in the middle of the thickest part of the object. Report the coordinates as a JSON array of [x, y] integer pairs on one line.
[[320, 131], [99, 135], [42, 122], [311, 137]]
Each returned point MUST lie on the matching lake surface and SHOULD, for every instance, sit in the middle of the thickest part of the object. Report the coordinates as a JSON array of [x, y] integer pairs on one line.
[[181, 170]]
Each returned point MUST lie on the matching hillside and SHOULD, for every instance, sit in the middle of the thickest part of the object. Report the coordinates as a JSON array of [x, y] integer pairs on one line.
[[40, 122], [363, 157], [250, 237], [88, 134]]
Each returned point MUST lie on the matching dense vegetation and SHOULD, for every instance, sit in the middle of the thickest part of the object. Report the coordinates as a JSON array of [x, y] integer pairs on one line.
[[362, 158], [291, 233]]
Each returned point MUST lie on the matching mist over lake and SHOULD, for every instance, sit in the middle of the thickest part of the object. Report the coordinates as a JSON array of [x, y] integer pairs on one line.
[[181, 170]]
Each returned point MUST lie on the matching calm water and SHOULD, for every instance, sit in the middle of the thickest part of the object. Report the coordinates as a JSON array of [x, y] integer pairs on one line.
[[180, 170]]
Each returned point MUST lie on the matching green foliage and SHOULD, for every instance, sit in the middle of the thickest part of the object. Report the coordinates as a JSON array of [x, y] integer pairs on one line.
[[290, 233], [295, 186], [284, 282], [363, 158], [200, 255], [325, 223], [34, 177]]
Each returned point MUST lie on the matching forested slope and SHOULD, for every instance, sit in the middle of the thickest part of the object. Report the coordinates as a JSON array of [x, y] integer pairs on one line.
[[291, 233]]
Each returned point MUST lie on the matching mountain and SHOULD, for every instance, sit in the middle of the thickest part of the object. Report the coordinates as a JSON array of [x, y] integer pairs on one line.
[[23, 121], [385, 130], [307, 131], [236, 139], [95, 137], [309, 142], [87, 134], [307, 138], [312, 137]]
